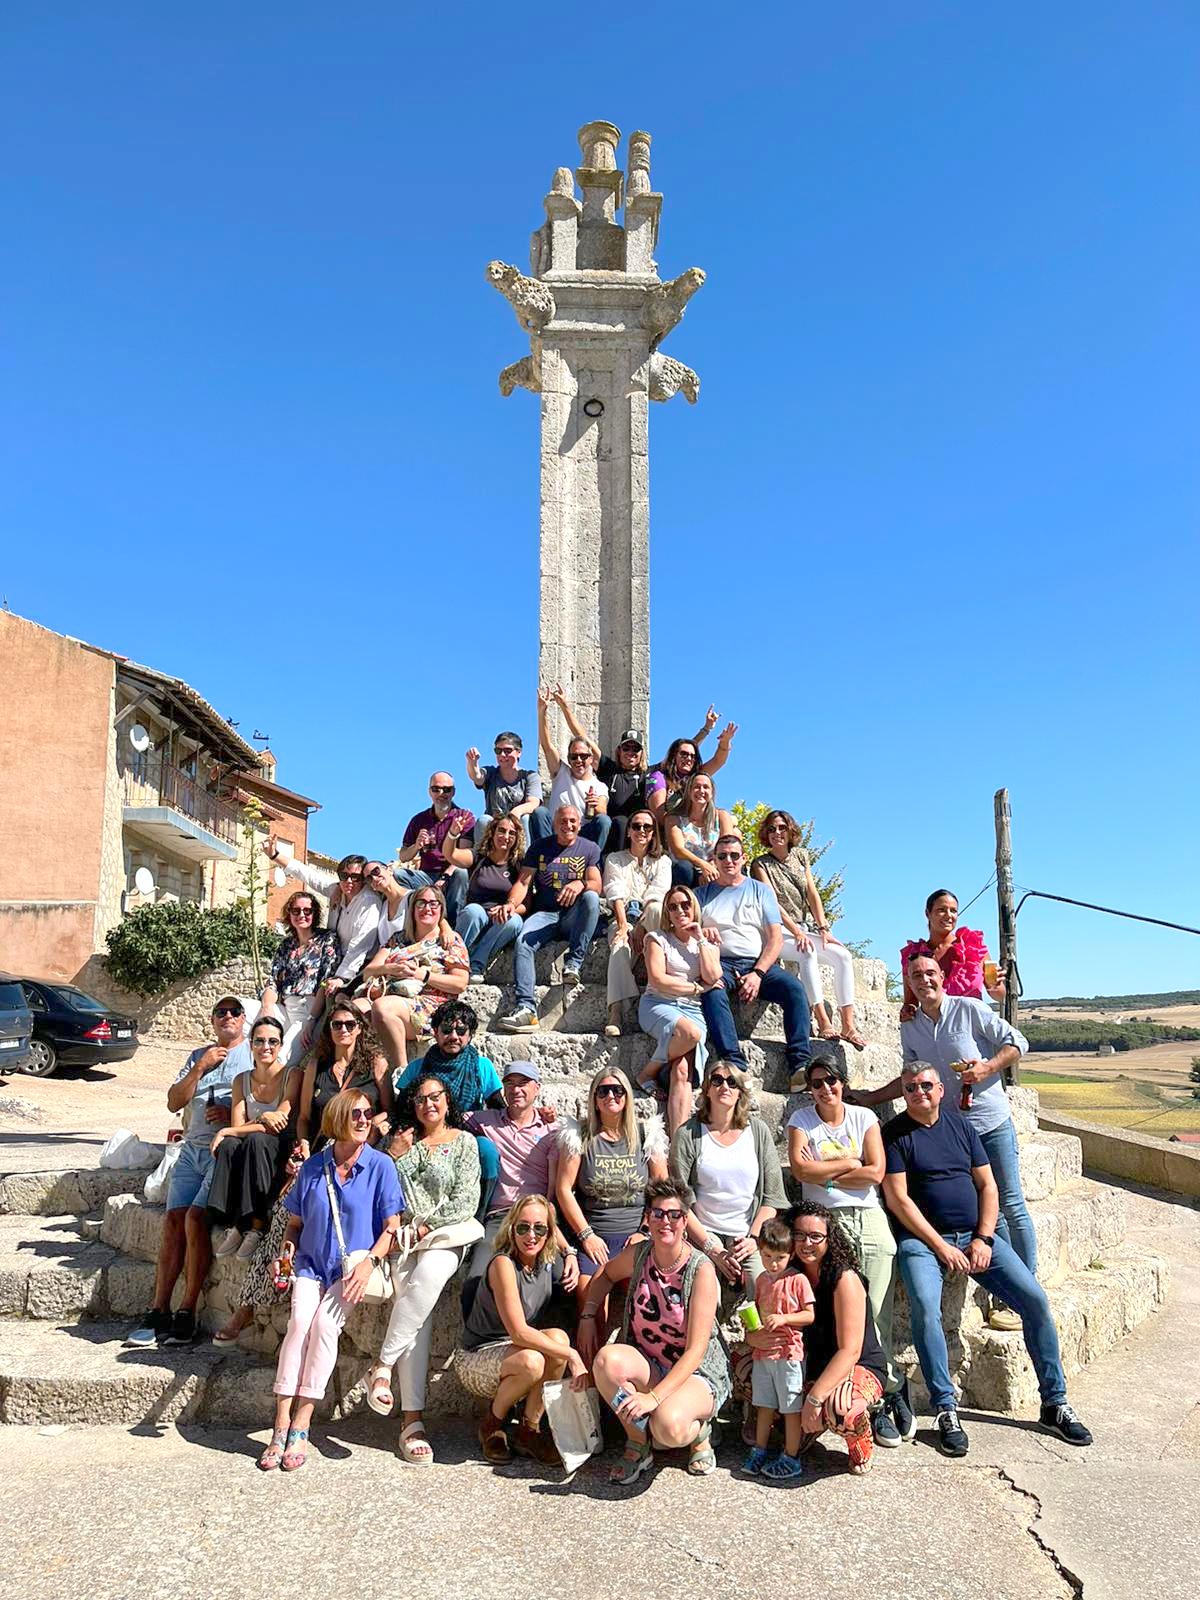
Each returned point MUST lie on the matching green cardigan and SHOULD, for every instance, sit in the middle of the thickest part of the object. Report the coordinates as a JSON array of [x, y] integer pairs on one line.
[[685, 1152]]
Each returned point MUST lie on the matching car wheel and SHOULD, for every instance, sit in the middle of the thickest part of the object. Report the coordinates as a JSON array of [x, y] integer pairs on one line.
[[42, 1059]]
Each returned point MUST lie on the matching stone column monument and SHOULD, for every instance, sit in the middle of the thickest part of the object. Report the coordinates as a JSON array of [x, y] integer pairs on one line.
[[596, 313]]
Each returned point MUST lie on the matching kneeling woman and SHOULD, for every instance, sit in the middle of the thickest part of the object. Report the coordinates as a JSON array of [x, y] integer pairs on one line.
[[668, 1376], [845, 1370], [345, 1212], [439, 1176], [508, 1352]]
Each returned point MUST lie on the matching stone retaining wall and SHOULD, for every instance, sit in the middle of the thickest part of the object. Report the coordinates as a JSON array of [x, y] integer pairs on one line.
[[1122, 1153], [184, 1010]]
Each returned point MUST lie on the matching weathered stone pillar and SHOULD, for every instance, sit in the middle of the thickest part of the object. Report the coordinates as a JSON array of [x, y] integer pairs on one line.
[[596, 312]]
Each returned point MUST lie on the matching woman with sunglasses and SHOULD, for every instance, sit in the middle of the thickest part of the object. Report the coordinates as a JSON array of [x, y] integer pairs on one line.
[[635, 881], [835, 1152], [680, 965], [381, 880], [726, 1156], [603, 1171], [962, 954], [347, 1055], [668, 1375], [785, 867], [419, 968], [844, 1365], [302, 967], [694, 822], [329, 1263], [354, 906], [507, 1350], [487, 923], [683, 759], [249, 1154], [439, 1178]]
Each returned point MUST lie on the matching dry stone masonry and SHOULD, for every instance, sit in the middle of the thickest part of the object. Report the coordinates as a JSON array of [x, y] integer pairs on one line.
[[596, 313]]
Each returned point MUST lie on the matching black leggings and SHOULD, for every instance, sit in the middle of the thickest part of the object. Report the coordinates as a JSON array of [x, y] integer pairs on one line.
[[247, 1178]]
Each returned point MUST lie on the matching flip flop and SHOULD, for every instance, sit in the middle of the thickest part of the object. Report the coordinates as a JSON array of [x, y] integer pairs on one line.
[[856, 1039]]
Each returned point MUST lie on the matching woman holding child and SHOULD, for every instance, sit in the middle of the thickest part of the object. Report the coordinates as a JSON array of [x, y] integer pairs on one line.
[[667, 1376]]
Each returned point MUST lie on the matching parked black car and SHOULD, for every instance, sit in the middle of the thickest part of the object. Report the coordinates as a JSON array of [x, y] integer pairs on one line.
[[74, 1028], [16, 1025]]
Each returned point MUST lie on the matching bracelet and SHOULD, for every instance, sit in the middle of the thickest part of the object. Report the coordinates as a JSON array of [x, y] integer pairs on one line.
[[810, 1401], [588, 1233], [587, 1316]]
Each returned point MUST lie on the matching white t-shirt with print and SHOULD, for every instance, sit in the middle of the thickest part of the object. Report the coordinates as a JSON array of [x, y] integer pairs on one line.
[[829, 1144]]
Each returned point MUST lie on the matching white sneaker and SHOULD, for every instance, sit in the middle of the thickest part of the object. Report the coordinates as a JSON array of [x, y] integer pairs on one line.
[[228, 1243], [249, 1245], [476, 977]]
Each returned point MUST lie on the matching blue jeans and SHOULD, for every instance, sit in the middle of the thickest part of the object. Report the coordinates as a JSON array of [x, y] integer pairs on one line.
[[778, 987], [1015, 1224], [597, 828], [577, 925], [453, 885], [1008, 1279], [683, 875], [483, 937]]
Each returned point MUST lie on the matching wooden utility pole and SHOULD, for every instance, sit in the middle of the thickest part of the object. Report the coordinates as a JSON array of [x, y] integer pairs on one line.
[[1007, 914]]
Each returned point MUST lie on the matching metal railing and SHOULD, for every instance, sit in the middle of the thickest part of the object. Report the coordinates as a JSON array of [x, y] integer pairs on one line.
[[150, 781]]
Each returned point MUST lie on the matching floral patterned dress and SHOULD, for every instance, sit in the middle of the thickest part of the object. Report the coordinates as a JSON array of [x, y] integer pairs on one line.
[[439, 958]]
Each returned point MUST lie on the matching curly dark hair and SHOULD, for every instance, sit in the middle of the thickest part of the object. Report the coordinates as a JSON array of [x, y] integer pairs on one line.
[[367, 1044], [406, 1109], [516, 850], [840, 1255]]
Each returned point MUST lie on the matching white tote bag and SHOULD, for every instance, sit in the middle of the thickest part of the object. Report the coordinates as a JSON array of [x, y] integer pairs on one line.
[[574, 1418]]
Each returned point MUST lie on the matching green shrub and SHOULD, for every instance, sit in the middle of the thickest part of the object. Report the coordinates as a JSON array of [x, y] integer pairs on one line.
[[156, 946]]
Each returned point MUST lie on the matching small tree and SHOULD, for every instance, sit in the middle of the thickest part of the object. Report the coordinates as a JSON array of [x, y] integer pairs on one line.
[[1194, 1075], [748, 819], [253, 880]]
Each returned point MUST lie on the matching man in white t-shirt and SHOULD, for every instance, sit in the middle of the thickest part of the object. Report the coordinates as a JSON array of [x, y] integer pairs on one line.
[[835, 1153], [573, 781], [741, 915]]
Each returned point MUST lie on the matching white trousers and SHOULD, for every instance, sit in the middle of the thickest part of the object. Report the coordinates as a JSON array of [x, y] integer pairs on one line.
[[810, 963], [416, 1286]]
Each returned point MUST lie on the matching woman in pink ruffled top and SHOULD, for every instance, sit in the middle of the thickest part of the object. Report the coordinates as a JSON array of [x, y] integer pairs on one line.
[[960, 952]]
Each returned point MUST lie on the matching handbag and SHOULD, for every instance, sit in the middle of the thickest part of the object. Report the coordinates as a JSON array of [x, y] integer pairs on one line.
[[379, 1284]]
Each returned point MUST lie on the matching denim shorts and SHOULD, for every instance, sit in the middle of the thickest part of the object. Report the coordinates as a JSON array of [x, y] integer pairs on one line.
[[615, 1243], [778, 1384], [191, 1178]]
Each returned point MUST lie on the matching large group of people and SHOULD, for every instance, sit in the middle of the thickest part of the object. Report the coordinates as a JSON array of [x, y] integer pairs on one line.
[[352, 1142]]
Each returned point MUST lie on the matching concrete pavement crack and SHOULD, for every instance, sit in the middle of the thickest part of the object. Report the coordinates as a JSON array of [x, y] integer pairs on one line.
[[1072, 1579], [1176, 1431]]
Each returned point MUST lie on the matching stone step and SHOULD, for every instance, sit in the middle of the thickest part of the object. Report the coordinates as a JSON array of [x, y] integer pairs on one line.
[[870, 976], [1094, 1308], [75, 1190]]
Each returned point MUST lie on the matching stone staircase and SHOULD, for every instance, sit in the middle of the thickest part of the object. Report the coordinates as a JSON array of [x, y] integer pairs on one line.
[[77, 1250]]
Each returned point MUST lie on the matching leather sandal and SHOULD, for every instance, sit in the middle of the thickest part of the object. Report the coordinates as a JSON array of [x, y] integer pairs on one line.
[[415, 1447], [703, 1458], [379, 1392]]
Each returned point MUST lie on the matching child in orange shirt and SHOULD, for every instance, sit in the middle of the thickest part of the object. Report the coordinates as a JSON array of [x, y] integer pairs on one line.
[[784, 1299]]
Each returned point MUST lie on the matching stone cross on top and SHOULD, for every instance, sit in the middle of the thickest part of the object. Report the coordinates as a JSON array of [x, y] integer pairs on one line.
[[596, 312]]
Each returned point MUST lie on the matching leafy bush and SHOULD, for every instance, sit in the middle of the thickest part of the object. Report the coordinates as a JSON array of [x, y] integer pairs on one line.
[[748, 819], [1087, 1034], [156, 946]]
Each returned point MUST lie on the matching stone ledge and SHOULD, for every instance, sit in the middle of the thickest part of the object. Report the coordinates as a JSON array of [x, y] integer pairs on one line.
[[1122, 1153], [73, 1191]]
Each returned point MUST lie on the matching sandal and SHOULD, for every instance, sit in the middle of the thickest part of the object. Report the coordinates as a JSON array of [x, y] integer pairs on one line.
[[379, 1392], [638, 1458], [784, 1468], [703, 1458], [294, 1459], [756, 1460], [273, 1454], [855, 1038], [493, 1440], [415, 1447]]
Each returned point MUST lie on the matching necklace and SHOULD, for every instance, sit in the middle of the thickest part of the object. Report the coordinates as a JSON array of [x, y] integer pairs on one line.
[[670, 1271]]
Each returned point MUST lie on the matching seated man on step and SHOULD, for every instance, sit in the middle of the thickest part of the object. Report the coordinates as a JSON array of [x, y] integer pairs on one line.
[[940, 1191], [434, 852], [204, 1092], [564, 874]]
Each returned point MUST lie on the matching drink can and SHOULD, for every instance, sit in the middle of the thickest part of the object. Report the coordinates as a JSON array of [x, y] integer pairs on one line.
[[283, 1275], [749, 1318], [619, 1399]]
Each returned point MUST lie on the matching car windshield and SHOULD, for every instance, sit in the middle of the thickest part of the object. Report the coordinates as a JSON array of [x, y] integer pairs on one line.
[[12, 997], [75, 998]]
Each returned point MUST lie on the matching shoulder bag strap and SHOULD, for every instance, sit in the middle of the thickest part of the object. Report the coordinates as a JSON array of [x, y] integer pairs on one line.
[[334, 1208]]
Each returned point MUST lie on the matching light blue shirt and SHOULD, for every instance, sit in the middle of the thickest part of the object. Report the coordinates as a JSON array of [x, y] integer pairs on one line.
[[966, 1030], [218, 1080], [741, 913]]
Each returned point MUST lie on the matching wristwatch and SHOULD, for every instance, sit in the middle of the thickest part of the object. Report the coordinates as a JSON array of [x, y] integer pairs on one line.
[[988, 1239]]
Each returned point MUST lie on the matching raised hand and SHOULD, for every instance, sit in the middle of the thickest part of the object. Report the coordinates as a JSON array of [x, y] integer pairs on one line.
[[726, 735], [711, 717]]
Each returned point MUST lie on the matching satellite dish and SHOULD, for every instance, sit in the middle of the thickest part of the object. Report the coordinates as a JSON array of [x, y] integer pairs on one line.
[[143, 878], [279, 877], [139, 738]]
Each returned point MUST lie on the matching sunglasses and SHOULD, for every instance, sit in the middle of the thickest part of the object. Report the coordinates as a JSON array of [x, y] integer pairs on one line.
[[918, 1088], [229, 1011], [579, 755], [441, 788], [808, 1238], [429, 1099], [672, 1217], [822, 1083], [633, 749], [720, 1080], [778, 827], [265, 1043], [531, 1230], [641, 827], [360, 1116], [305, 911], [729, 855], [506, 749], [375, 872], [344, 1025], [349, 877], [610, 1091], [455, 1027]]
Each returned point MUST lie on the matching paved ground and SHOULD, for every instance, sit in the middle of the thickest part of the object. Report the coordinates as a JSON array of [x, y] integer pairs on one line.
[[1024, 1517]]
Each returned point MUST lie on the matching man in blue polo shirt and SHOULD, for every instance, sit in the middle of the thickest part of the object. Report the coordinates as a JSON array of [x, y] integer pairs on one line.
[[940, 1191]]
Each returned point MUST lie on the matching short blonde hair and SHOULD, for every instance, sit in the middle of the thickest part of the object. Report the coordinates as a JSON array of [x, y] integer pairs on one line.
[[335, 1119], [677, 889], [741, 1112], [506, 1239]]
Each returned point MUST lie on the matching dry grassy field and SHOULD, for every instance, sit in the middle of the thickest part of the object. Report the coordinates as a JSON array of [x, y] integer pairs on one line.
[[1105, 1090]]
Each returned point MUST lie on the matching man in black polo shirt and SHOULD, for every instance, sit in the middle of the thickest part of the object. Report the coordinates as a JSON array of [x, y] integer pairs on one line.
[[940, 1191]]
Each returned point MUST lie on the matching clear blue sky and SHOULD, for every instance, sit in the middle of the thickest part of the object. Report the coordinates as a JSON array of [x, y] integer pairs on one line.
[[930, 529]]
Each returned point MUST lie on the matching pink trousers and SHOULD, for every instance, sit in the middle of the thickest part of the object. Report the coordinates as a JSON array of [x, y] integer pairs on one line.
[[310, 1345]]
